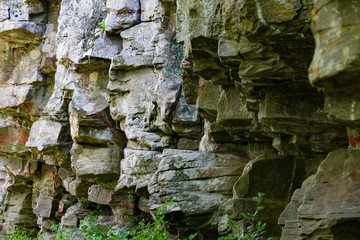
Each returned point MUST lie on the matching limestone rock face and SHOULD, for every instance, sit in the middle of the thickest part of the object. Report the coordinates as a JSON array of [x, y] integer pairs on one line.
[[22, 21], [45, 133], [124, 105], [122, 14], [205, 178], [336, 60], [325, 207], [137, 167], [96, 164], [327, 202]]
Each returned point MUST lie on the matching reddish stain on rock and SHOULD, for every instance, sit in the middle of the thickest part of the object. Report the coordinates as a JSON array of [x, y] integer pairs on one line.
[[4, 139], [354, 141]]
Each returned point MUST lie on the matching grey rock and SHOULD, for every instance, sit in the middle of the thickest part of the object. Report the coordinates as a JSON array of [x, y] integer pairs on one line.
[[44, 206], [205, 178], [335, 62], [46, 133], [95, 163], [150, 10], [137, 167], [100, 195], [324, 201], [78, 188], [122, 14], [23, 32]]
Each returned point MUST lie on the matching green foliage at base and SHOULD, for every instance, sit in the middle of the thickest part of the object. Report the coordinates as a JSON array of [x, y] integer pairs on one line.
[[249, 228], [19, 234], [89, 230]]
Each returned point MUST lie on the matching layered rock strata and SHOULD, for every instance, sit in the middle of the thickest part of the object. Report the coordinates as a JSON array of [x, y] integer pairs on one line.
[[129, 104], [326, 205]]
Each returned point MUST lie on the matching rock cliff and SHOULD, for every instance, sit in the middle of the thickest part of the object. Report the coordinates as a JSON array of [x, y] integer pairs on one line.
[[128, 104]]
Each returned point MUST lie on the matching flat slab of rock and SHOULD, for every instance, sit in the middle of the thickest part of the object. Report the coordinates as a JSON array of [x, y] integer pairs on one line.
[[98, 164], [197, 182]]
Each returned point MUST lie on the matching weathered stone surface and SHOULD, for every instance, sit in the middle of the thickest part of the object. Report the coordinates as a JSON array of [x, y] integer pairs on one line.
[[185, 113], [13, 135], [18, 209], [90, 96], [96, 164], [336, 59], [104, 47], [232, 109], [45, 133], [227, 79], [89, 114], [78, 188], [326, 200], [186, 120], [150, 10], [324, 207], [207, 103], [342, 108], [138, 46], [302, 104], [18, 167], [21, 30], [205, 178], [73, 215], [96, 135], [78, 22], [122, 14], [124, 208], [188, 144], [100, 195], [57, 105], [5, 181], [44, 206], [140, 113], [137, 167], [130, 83], [282, 172], [14, 96]]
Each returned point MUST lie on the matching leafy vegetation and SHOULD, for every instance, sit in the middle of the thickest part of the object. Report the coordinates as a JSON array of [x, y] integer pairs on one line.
[[19, 234], [102, 25], [247, 229], [89, 230]]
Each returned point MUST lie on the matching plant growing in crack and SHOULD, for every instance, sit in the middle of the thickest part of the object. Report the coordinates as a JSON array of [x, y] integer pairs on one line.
[[102, 25], [90, 230], [248, 228], [99, 32]]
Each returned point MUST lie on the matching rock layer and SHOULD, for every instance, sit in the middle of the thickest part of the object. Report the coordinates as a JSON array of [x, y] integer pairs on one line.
[[129, 104]]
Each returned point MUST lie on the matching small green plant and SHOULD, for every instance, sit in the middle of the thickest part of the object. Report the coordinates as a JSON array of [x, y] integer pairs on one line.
[[89, 230], [102, 25], [153, 230], [99, 32], [19, 234], [249, 228]]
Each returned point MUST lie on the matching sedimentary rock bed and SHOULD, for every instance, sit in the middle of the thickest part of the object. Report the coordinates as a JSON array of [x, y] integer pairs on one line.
[[129, 104]]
